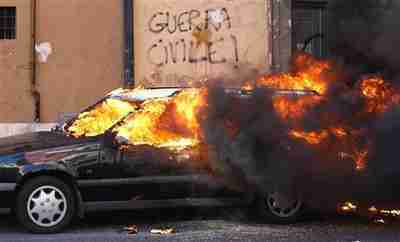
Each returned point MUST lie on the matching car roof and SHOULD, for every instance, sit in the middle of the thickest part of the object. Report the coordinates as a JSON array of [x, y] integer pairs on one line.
[[144, 94], [152, 93]]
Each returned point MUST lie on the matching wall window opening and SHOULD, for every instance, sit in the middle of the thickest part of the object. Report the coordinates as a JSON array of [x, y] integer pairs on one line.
[[8, 23]]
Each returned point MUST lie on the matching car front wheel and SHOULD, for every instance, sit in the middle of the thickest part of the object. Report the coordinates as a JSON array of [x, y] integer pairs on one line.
[[45, 205], [280, 208]]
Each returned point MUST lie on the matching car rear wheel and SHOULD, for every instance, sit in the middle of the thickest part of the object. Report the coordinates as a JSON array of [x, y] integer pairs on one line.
[[45, 205], [280, 208]]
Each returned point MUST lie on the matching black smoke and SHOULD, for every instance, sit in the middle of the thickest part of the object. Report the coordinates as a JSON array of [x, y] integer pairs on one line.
[[261, 156], [364, 35], [259, 153]]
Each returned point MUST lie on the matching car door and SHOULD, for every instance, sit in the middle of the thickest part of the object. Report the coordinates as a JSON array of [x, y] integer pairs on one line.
[[102, 180], [142, 173], [156, 173]]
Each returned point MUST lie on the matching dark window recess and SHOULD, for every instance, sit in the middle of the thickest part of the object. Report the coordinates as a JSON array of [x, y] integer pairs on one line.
[[310, 30], [8, 22]]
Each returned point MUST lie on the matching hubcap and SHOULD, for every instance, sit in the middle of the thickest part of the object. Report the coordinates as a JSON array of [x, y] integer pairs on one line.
[[282, 205], [47, 206]]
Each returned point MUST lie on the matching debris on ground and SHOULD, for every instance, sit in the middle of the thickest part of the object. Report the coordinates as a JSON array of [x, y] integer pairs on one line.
[[379, 221], [163, 231], [131, 229]]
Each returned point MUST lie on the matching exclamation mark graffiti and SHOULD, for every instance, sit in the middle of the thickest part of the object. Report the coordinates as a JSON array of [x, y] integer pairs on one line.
[[236, 48]]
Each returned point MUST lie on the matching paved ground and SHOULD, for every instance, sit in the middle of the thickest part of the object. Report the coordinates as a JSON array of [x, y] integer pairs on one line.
[[208, 225]]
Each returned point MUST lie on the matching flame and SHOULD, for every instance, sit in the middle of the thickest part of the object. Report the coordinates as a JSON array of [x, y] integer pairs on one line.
[[379, 94], [294, 108], [310, 74], [313, 137], [100, 118], [360, 158], [393, 212], [348, 207], [317, 137], [187, 106], [166, 123], [377, 215], [339, 132], [170, 122]]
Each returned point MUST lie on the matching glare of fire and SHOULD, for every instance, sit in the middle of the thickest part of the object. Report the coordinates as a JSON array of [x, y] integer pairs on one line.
[[166, 123], [294, 108], [394, 212], [373, 209], [379, 94], [360, 157], [339, 132], [348, 207], [101, 118], [317, 137], [312, 137], [386, 212], [187, 105], [309, 75]]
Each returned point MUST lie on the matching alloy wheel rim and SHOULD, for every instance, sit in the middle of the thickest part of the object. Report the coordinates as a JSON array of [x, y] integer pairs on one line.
[[281, 205], [47, 206]]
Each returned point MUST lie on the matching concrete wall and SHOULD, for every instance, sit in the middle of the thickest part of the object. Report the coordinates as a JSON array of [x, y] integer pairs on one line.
[[281, 34], [86, 37], [16, 102], [87, 41], [177, 42], [86, 62]]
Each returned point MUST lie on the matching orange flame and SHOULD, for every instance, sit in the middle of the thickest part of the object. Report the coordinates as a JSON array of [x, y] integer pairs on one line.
[[294, 108], [101, 118], [379, 94], [167, 122], [313, 137], [309, 74]]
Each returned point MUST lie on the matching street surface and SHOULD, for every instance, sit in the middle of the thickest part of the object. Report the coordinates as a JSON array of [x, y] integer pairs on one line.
[[207, 225]]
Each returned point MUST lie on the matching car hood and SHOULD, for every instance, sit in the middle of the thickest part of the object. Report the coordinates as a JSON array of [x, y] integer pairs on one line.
[[37, 141]]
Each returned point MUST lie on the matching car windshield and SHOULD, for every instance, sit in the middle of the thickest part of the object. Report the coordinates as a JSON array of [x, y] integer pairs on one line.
[[102, 116], [98, 118]]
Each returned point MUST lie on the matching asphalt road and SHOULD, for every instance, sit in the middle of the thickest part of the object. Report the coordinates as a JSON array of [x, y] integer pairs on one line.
[[208, 225]]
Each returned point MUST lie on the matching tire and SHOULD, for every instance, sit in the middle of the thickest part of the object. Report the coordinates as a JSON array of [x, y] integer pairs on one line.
[[277, 208], [45, 205]]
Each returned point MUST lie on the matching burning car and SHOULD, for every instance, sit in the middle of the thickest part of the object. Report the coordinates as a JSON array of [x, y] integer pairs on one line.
[[132, 149], [279, 144]]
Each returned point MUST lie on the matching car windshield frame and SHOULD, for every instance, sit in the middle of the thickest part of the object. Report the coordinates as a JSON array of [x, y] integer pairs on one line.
[[138, 96]]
